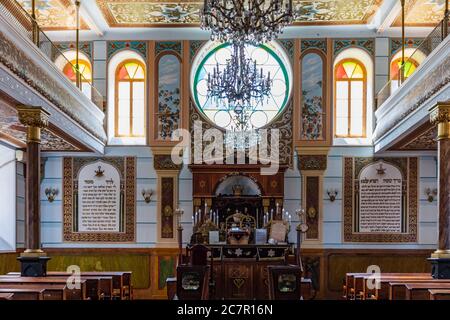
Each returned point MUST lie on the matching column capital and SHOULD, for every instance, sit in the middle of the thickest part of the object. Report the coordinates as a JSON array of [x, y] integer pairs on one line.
[[440, 116], [33, 116]]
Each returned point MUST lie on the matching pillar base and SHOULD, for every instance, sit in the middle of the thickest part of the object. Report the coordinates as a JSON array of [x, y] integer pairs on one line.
[[33, 266], [440, 268]]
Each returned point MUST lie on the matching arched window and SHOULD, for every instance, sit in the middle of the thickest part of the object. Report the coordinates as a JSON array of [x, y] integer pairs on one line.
[[350, 99], [130, 99], [413, 58], [86, 75]]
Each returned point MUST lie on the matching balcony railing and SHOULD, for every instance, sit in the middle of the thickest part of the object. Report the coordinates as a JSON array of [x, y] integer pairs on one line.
[[29, 27], [427, 46]]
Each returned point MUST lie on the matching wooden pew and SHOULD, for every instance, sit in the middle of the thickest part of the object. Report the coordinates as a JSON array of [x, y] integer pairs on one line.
[[397, 288], [24, 293], [121, 281], [6, 296], [354, 287], [50, 291], [72, 294], [439, 294], [420, 291], [97, 288], [382, 292]]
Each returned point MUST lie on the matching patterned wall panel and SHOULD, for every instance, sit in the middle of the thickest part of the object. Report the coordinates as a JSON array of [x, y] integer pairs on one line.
[[313, 116], [126, 167], [169, 88], [366, 44], [409, 170], [167, 210], [138, 46], [312, 207]]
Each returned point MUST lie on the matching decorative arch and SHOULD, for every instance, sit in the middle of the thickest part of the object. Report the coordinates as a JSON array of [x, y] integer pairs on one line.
[[127, 75], [245, 180]]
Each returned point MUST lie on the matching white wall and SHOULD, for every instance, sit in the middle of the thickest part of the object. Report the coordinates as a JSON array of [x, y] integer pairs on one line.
[[52, 215], [7, 199]]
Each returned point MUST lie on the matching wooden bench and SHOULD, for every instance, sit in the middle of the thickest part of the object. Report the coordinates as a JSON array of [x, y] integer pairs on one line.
[[381, 290], [6, 296], [121, 281], [71, 294], [439, 294], [50, 291], [24, 293], [397, 288], [355, 283], [420, 291]]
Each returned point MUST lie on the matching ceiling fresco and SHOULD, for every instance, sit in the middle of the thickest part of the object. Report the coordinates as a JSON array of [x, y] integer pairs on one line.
[[54, 14], [60, 14], [148, 13], [424, 13]]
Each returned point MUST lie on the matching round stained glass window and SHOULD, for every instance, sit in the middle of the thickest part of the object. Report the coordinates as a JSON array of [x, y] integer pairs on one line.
[[269, 57]]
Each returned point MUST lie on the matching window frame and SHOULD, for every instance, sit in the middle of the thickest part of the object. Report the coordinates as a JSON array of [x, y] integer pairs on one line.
[[364, 111], [116, 99]]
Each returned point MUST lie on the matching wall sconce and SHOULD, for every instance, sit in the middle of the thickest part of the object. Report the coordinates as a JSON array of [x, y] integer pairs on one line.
[[431, 194], [332, 194], [147, 195], [51, 194]]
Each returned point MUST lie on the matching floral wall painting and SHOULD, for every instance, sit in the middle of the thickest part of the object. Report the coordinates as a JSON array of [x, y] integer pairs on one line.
[[312, 119], [169, 75]]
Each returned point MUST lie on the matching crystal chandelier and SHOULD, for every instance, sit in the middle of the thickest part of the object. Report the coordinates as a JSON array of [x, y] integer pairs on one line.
[[246, 21], [239, 87]]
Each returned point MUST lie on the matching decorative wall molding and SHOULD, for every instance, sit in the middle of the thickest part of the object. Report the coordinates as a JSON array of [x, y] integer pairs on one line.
[[127, 169], [409, 169], [366, 44], [161, 46], [138, 46], [320, 44], [396, 44], [195, 46], [164, 162], [85, 46], [312, 162]]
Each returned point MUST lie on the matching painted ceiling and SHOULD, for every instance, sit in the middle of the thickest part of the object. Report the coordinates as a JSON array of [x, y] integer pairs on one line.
[[54, 14], [60, 14], [141, 13], [422, 13]]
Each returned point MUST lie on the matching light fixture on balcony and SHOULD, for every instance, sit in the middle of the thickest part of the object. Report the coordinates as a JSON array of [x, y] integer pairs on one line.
[[246, 21]]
